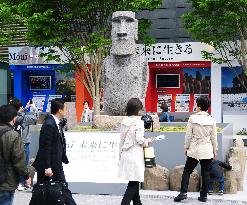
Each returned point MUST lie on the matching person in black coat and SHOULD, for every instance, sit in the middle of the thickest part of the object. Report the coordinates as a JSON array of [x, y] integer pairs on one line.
[[217, 175], [52, 149]]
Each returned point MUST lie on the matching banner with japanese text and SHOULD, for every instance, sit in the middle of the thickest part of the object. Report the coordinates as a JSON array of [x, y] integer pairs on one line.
[[93, 157]]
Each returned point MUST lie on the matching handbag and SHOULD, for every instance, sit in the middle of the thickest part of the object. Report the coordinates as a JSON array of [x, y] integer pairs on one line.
[[149, 157], [48, 193]]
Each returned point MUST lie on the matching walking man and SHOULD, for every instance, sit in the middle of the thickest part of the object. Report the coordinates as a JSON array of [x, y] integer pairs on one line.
[[52, 149]]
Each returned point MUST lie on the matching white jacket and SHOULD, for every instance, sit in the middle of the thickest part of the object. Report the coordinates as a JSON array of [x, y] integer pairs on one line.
[[131, 165], [201, 136]]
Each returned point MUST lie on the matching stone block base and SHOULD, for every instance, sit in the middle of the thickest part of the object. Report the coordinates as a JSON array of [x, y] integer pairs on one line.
[[176, 178], [111, 123], [156, 178]]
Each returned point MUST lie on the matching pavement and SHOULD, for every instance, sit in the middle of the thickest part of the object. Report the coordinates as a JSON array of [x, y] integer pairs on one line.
[[149, 197]]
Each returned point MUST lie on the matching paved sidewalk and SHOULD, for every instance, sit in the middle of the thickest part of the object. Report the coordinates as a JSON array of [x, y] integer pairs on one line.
[[23, 198], [150, 198]]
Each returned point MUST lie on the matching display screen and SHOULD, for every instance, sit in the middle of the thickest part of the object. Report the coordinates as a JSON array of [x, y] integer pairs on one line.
[[40, 82], [168, 81]]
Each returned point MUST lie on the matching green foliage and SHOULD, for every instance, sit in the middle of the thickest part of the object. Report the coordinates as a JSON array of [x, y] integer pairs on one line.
[[217, 23], [72, 23], [242, 132], [81, 29]]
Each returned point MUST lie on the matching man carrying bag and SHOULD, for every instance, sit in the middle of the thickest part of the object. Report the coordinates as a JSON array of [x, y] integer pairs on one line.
[[48, 163]]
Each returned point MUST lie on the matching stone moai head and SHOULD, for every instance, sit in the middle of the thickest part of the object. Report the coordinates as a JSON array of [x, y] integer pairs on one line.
[[124, 33]]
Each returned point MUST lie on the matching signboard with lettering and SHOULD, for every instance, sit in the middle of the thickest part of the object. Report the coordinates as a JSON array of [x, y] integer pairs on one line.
[[173, 52], [30, 55], [93, 157], [160, 52]]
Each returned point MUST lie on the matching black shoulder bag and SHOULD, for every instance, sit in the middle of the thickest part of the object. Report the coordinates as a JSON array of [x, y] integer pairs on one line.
[[48, 193]]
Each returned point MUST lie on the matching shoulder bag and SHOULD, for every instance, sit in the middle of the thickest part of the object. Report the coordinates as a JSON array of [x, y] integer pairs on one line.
[[48, 193], [149, 157]]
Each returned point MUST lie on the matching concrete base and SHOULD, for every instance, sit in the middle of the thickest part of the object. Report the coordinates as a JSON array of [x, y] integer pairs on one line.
[[113, 123], [97, 188]]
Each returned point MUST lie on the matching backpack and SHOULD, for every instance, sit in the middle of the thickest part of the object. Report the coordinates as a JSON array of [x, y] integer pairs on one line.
[[3, 163], [148, 121], [18, 126]]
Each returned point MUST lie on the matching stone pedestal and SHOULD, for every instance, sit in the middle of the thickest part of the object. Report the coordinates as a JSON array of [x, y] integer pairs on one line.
[[156, 178], [156, 122], [111, 123], [107, 123], [71, 115], [176, 178]]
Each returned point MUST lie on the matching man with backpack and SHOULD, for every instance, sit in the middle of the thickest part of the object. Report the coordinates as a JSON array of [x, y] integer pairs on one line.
[[23, 121], [12, 156]]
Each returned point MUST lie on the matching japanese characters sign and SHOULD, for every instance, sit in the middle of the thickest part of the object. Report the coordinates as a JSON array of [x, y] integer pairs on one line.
[[165, 52], [93, 157]]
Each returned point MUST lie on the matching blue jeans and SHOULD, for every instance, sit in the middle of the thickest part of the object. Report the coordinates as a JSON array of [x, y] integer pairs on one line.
[[220, 180], [6, 197], [27, 154]]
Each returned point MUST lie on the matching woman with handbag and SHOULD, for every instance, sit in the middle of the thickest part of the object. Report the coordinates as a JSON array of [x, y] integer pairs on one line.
[[132, 141], [200, 145]]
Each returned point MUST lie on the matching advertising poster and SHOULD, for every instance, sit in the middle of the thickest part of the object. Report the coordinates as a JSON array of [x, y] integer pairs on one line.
[[195, 98], [51, 97], [196, 80], [93, 157], [167, 98], [65, 85], [234, 89], [182, 103], [39, 101]]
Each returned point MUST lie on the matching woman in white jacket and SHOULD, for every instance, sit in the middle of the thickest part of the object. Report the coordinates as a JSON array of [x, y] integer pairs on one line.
[[200, 145], [132, 141]]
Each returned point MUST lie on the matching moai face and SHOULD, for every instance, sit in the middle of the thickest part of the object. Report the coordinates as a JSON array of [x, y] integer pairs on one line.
[[124, 33]]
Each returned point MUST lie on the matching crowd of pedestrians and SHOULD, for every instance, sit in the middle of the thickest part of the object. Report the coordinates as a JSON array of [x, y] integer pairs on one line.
[[200, 146]]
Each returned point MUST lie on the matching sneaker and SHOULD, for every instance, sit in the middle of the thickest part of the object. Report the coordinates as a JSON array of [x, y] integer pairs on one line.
[[210, 192], [21, 187], [221, 192]]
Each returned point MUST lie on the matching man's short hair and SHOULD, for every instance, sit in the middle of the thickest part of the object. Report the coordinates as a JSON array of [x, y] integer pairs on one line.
[[7, 113], [56, 105], [16, 103]]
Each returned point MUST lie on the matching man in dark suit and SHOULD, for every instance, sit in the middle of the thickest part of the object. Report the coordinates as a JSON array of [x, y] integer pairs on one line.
[[52, 148]]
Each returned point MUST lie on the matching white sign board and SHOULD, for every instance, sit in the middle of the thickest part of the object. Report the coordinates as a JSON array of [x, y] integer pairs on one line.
[[30, 55], [174, 52], [93, 157]]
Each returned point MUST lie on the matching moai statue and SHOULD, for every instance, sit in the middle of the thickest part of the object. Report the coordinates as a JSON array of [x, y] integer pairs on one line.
[[124, 73]]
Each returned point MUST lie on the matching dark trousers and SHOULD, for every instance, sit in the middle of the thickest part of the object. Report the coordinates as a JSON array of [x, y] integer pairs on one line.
[[132, 194], [58, 176], [190, 165], [27, 154]]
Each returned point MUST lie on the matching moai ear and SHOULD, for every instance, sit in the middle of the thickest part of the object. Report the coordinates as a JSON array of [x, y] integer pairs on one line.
[[136, 29]]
